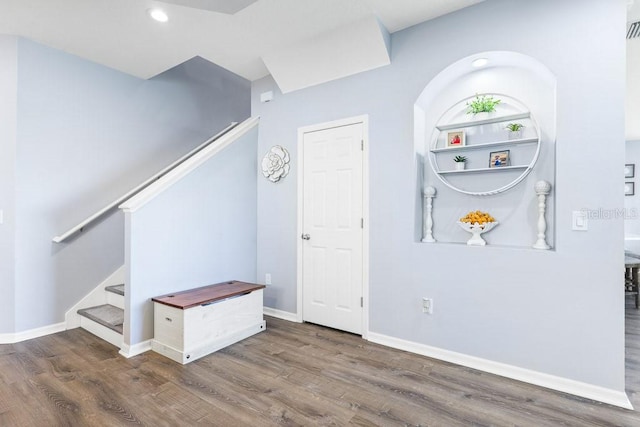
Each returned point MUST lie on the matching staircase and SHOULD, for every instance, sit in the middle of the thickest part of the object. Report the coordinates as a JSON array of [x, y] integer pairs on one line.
[[102, 310], [106, 320]]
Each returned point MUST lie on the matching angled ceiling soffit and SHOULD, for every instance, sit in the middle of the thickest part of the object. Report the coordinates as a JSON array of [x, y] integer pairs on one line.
[[229, 7], [344, 51]]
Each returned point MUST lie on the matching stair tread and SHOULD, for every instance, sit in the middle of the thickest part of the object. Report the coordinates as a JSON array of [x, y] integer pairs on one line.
[[116, 289], [107, 315]]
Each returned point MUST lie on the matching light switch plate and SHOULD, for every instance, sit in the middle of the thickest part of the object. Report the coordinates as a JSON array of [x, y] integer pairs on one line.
[[427, 305], [266, 96], [580, 221]]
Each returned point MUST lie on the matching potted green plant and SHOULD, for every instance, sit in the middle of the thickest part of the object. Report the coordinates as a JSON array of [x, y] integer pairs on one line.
[[460, 162], [515, 130], [482, 104]]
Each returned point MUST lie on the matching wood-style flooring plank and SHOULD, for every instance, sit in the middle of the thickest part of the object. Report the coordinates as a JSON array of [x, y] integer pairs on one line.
[[291, 374], [240, 399]]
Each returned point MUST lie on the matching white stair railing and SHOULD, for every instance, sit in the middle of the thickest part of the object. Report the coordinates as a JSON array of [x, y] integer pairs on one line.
[[79, 228], [176, 174]]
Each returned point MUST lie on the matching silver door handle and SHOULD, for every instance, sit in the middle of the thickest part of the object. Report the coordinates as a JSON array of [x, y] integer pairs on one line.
[[305, 237]]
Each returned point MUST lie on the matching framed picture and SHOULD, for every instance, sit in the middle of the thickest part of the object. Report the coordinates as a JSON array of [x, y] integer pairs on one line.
[[455, 139], [629, 189], [498, 159], [630, 170]]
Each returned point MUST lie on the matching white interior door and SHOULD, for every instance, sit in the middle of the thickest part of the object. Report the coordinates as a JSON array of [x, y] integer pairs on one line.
[[332, 227]]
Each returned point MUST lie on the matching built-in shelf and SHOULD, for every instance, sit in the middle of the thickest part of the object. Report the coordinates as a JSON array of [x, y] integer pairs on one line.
[[498, 169], [455, 119], [486, 145], [485, 121], [489, 247]]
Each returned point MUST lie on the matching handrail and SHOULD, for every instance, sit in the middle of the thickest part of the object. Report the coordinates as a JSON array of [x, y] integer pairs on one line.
[[175, 175], [142, 186]]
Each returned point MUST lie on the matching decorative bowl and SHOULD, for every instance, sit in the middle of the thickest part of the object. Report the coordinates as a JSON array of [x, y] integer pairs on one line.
[[476, 230]]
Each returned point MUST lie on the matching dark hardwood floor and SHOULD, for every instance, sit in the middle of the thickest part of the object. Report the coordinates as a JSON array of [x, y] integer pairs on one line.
[[292, 374]]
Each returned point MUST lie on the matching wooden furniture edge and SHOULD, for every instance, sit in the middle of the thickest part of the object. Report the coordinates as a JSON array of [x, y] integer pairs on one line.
[[206, 294]]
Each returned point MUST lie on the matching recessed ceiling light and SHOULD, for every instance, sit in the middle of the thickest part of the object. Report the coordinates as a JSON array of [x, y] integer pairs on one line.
[[158, 14], [480, 62]]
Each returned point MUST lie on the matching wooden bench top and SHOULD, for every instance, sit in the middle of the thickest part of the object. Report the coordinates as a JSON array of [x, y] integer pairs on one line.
[[207, 294]]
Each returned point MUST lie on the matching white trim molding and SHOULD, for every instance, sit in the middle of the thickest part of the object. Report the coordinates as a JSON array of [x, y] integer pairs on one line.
[[565, 385], [279, 314], [32, 333], [364, 120], [133, 350]]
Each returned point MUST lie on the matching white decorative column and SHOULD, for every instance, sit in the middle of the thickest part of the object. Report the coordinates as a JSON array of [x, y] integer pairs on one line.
[[427, 221], [542, 190]]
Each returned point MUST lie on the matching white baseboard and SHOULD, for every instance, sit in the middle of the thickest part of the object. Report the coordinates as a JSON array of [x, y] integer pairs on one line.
[[32, 333], [97, 296], [284, 315], [136, 349], [590, 391]]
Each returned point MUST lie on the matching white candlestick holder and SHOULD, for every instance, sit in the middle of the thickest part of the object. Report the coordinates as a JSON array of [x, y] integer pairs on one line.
[[427, 222], [542, 190]]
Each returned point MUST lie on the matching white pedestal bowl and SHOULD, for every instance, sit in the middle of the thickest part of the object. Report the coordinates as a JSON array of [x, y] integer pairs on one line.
[[476, 230]]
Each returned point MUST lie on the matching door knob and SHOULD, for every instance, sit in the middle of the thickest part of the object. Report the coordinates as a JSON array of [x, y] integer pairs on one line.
[[305, 237]]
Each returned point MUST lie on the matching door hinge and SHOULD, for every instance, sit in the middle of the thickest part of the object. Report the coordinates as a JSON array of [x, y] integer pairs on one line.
[[361, 302], [361, 222], [362, 145]]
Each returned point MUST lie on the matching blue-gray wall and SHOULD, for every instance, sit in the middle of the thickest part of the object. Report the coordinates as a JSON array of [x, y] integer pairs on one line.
[[86, 135], [8, 95], [200, 231], [558, 312]]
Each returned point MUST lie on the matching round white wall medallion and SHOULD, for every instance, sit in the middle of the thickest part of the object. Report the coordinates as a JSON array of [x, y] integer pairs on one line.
[[275, 164]]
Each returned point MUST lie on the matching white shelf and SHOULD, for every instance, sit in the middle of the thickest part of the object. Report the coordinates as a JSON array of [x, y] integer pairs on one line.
[[486, 145], [498, 169], [487, 121], [455, 118], [490, 247]]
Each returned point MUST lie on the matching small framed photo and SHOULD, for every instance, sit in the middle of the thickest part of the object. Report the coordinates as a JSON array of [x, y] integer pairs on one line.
[[630, 170], [455, 139], [498, 159], [629, 189]]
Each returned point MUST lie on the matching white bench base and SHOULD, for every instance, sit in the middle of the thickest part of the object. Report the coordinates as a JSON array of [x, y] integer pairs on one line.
[[189, 334], [196, 353]]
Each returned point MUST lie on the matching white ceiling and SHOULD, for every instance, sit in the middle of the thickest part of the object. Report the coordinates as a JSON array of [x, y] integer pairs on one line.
[[120, 34]]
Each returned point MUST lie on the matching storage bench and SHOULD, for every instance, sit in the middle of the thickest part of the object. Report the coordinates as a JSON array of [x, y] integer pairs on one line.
[[191, 324]]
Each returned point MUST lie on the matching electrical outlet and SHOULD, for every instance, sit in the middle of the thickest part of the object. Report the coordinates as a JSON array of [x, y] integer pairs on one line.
[[267, 279], [427, 305]]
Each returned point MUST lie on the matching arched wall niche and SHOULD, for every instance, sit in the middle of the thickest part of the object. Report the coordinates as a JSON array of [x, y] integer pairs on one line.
[[510, 75]]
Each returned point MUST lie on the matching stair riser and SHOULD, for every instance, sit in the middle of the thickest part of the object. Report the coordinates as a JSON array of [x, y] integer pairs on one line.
[[102, 332], [115, 300], [95, 297]]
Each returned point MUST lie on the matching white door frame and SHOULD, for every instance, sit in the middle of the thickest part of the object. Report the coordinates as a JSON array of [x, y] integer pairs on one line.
[[364, 119]]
